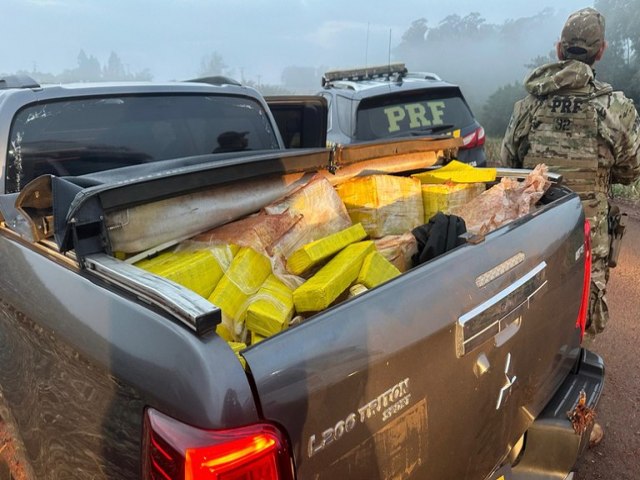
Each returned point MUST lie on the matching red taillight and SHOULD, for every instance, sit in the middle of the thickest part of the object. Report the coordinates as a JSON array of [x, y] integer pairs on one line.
[[581, 323], [175, 451], [474, 139]]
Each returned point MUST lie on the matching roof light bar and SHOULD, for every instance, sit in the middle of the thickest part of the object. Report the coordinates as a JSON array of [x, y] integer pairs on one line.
[[365, 73]]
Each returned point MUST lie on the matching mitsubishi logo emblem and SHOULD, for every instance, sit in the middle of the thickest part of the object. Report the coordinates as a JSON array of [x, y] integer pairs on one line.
[[505, 391]]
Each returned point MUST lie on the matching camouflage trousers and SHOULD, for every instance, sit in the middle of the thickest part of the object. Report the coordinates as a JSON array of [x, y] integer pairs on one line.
[[598, 310]]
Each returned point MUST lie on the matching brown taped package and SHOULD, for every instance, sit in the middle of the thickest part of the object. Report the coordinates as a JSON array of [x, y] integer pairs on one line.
[[505, 202]]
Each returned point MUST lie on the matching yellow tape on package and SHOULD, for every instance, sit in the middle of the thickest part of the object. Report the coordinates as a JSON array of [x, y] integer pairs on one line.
[[256, 338], [198, 270], [448, 196], [316, 252], [457, 172], [237, 347], [154, 263], [376, 270], [246, 274], [271, 308], [384, 204], [333, 279]]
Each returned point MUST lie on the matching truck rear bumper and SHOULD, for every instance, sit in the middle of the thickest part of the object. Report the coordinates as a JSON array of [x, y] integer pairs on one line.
[[552, 447]]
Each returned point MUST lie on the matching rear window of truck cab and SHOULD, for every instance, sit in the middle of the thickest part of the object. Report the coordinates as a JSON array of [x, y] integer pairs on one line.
[[411, 113], [81, 136]]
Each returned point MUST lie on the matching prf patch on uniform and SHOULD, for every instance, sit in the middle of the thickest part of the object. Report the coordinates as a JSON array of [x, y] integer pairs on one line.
[[415, 115], [566, 105]]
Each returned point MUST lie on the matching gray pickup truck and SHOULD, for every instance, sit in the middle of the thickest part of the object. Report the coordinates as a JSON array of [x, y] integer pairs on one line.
[[464, 367]]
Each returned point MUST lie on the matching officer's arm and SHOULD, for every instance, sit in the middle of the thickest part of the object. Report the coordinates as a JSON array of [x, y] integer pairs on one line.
[[511, 147], [626, 149]]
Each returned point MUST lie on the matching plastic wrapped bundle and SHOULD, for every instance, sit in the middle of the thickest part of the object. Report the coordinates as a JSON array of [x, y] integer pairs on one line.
[[333, 279], [384, 204], [458, 172], [246, 274], [197, 270], [320, 250], [448, 196], [398, 249], [271, 308], [258, 232], [376, 270], [504, 202], [321, 213]]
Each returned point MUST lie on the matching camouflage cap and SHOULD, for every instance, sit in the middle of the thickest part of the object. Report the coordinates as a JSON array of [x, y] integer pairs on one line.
[[583, 35]]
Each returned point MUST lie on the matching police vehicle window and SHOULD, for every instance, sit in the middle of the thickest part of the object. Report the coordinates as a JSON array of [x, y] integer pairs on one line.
[[80, 136], [418, 112], [329, 111], [345, 117]]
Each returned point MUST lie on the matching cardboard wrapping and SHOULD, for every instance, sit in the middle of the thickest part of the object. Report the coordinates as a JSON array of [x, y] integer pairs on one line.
[[384, 204], [322, 249], [323, 288], [376, 270]]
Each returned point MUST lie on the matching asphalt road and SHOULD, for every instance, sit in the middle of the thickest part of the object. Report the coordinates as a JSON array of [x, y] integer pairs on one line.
[[617, 457]]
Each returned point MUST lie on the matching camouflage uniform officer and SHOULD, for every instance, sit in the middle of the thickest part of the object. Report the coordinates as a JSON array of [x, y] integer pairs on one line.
[[582, 129]]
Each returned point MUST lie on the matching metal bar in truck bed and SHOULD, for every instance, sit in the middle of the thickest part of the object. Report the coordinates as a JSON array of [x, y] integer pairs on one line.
[[191, 309]]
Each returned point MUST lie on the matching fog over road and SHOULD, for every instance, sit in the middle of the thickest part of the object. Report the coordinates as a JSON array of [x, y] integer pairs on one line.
[[618, 456]]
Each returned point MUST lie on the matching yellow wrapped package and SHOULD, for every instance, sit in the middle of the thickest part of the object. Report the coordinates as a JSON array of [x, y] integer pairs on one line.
[[333, 279], [457, 172], [445, 197], [384, 204], [245, 275], [376, 270], [224, 333], [152, 264], [255, 338], [237, 347], [271, 308], [197, 270], [316, 252]]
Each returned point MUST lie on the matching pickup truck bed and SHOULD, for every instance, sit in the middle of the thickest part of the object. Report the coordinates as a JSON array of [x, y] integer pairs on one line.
[[463, 367]]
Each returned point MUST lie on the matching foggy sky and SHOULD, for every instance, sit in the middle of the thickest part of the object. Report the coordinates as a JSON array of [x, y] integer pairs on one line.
[[256, 37]]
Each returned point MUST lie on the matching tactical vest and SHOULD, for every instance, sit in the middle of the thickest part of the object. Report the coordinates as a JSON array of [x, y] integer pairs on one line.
[[564, 136]]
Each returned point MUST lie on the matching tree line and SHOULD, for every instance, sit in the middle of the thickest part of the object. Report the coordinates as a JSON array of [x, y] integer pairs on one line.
[[89, 69], [488, 60]]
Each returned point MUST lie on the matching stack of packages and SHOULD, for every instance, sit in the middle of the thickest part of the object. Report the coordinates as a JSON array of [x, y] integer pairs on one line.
[[388, 207], [451, 187], [199, 270], [299, 255], [313, 248]]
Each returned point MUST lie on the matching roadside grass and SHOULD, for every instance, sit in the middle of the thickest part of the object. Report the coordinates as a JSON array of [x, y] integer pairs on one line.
[[492, 150], [628, 192]]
